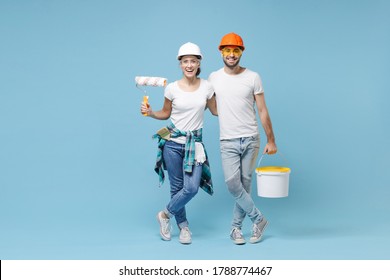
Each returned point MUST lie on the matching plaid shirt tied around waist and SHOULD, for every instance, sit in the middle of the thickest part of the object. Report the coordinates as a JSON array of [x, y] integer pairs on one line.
[[189, 156]]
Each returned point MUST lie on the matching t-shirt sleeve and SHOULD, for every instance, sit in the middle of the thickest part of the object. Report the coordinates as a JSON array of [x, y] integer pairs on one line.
[[258, 85], [210, 91], [168, 92]]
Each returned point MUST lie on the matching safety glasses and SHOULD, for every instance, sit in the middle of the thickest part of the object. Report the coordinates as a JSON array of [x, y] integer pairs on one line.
[[228, 51], [189, 61]]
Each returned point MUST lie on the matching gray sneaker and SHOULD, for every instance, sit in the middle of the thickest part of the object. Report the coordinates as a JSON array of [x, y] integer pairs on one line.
[[237, 237], [165, 226], [185, 236], [257, 230]]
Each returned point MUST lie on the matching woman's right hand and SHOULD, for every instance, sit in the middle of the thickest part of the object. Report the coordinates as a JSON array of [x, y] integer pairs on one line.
[[146, 110]]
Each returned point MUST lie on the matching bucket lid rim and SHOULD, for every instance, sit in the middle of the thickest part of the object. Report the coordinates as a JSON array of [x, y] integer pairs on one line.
[[278, 169]]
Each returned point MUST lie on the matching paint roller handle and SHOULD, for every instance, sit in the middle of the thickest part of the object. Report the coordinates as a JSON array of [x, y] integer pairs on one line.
[[145, 105]]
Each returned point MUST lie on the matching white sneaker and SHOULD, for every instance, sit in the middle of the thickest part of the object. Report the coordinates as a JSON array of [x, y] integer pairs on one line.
[[185, 236], [258, 230], [237, 237], [165, 226]]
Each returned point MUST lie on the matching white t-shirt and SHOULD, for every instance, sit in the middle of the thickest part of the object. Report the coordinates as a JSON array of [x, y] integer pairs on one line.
[[188, 107], [235, 95]]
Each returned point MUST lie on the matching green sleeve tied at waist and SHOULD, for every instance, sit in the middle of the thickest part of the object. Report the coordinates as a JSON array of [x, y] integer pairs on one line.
[[189, 156]]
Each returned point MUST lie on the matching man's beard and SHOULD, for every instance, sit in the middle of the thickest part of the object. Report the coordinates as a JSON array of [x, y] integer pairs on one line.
[[231, 66]]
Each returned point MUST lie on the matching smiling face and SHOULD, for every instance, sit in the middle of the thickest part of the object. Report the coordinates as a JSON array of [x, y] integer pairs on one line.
[[189, 65], [231, 56]]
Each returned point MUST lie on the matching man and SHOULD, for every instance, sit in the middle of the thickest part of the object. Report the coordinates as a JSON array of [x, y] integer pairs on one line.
[[237, 91]]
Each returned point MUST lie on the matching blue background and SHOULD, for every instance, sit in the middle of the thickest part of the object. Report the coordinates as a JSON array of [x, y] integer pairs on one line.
[[76, 156]]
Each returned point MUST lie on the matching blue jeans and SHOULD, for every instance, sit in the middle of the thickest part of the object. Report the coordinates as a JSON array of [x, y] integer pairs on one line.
[[184, 185], [238, 160]]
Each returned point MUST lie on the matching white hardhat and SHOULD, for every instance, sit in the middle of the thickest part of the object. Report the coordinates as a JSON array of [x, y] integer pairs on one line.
[[189, 49]]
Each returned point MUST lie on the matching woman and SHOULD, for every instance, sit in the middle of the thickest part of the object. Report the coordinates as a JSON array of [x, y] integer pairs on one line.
[[181, 151]]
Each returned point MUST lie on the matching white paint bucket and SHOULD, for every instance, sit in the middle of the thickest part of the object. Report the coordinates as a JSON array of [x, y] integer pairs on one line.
[[273, 181]]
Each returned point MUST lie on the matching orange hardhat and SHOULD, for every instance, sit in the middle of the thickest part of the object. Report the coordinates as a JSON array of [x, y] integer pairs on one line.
[[231, 39]]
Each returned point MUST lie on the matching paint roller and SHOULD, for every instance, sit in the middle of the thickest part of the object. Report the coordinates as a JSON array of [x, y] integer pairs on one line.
[[141, 81]]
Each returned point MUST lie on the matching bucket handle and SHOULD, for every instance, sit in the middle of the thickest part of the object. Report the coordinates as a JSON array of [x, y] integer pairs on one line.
[[261, 158]]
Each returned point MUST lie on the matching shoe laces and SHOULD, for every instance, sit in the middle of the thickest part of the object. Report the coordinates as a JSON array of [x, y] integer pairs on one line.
[[166, 225], [255, 230], [236, 233], [185, 232]]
